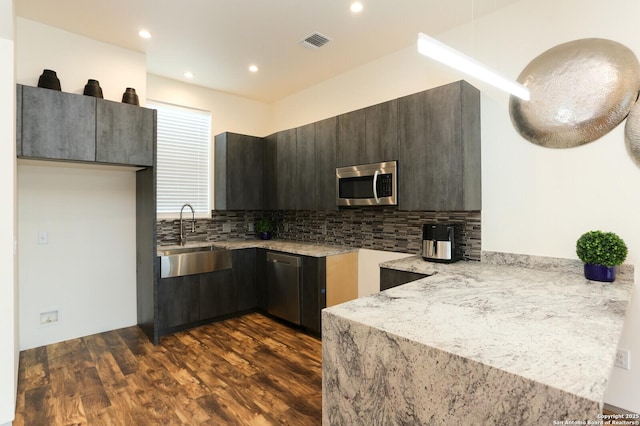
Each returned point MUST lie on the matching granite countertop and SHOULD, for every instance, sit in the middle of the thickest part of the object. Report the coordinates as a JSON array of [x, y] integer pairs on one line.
[[540, 320], [293, 247]]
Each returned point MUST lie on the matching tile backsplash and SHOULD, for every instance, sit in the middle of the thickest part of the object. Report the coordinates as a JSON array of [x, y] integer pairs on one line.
[[372, 228]]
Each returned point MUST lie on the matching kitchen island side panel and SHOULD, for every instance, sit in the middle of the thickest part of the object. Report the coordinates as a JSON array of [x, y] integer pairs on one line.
[[374, 377]]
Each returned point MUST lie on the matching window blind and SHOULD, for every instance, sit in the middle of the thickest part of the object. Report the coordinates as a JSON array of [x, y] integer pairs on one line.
[[183, 144]]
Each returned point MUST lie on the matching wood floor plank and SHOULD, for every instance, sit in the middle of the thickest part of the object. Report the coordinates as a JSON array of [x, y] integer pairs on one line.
[[154, 403], [108, 369], [126, 360], [67, 396], [249, 370], [35, 368], [39, 408], [93, 394]]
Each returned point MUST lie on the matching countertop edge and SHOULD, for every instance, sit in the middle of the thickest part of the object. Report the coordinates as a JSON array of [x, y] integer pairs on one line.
[[288, 246], [625, 272]]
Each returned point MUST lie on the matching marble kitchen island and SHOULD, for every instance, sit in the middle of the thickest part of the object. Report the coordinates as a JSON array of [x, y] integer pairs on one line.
[[510, 340]]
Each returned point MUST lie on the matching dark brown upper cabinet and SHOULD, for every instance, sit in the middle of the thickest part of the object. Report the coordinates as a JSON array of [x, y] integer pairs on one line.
[[368, 135], [306, 171], [239, 170], [54, 125], [326, 135], [124, 133], [439, 149]]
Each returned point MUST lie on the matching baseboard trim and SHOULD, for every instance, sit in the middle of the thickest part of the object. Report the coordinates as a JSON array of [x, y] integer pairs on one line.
[[617, 410]]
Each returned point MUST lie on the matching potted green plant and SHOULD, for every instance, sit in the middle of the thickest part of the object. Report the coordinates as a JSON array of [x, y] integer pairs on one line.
[[264, 228], [601, 252]]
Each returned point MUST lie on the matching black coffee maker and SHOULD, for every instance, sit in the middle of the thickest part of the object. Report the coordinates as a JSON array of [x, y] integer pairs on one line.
[[438, 242]]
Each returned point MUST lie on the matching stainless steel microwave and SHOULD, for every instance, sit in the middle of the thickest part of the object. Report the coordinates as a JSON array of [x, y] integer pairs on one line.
[[367, 185]]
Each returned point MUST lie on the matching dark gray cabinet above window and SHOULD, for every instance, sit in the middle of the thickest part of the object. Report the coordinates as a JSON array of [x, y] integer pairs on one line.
[[124, 133], [55, 125]]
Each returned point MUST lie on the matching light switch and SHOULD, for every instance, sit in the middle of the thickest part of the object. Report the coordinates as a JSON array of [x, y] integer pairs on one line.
[[43, 237]]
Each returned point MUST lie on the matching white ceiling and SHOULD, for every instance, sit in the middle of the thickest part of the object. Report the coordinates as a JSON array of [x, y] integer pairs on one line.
[[218, 39]]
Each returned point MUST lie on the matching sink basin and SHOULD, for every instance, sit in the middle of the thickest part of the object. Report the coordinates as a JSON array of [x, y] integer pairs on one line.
[[182, 250], [193, 260]]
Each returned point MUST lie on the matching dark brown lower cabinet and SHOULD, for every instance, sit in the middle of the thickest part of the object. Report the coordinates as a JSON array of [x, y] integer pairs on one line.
[[313, 292], [190, 299], [218, 295], [390, 278], [261, 279], [178, 301], [244, 276]]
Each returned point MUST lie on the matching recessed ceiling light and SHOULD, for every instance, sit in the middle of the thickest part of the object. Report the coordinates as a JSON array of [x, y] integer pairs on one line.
[[188, 74], [144, 34], [356, 7], [253, 68]]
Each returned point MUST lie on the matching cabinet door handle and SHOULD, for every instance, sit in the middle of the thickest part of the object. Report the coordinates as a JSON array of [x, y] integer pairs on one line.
[[375, 182]]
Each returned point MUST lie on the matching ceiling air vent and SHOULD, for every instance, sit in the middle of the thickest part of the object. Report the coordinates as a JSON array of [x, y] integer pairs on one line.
[[315, 40]]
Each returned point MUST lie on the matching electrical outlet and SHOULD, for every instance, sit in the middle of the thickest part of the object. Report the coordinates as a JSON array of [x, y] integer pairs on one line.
[[251, 228], [48, 317], [623, 359], [226, 227], [323, 229]]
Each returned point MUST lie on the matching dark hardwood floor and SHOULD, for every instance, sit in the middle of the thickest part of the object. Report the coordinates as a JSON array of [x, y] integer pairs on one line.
[[244, 371]]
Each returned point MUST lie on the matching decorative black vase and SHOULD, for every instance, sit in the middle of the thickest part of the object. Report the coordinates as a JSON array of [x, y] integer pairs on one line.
[[265, 235], [49, 80], [92, 88], [599, 272], [130, 97]]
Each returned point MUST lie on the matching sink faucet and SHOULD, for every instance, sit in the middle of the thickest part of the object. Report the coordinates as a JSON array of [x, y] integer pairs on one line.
[[183, 237]]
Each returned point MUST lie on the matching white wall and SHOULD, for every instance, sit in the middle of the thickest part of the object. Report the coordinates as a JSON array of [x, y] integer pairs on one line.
[[229, 113], [535, 201], [77, 59], [8, 282], [88, 269]]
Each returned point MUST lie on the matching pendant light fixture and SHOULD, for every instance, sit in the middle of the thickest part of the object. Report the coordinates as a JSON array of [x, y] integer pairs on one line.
[[439, 51]]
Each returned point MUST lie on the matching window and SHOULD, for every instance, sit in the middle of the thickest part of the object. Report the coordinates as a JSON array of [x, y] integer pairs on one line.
[[184, 141]]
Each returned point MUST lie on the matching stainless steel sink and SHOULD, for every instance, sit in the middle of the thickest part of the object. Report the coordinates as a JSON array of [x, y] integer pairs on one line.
[[181, 261]]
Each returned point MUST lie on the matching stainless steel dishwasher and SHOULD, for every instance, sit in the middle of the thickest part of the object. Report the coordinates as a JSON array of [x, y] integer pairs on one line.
[[283, 286]]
